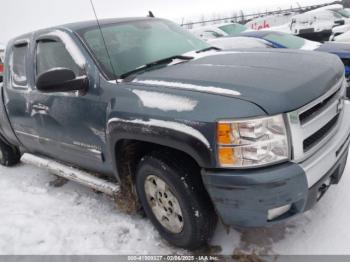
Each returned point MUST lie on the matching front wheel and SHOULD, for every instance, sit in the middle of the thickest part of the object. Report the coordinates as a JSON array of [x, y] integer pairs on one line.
[[175, 200]]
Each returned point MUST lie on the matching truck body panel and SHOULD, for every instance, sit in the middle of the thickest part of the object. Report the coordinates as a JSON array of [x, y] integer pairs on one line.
[[257, 76], [177, 106]]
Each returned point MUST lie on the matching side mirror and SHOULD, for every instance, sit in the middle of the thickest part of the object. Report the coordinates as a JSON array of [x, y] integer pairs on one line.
[[61, 80]]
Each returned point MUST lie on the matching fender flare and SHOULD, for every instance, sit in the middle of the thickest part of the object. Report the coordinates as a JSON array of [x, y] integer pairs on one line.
[[164, 133]]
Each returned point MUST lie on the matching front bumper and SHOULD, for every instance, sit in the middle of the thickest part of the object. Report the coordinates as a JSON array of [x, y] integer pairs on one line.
[[244, 197]]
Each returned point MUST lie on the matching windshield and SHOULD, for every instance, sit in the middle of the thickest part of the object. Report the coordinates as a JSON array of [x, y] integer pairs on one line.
[[233, 29], [136, 43], [285, 40], [344, 13]]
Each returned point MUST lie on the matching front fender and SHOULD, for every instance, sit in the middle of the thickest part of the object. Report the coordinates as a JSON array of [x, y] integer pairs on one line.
[[176, 135]]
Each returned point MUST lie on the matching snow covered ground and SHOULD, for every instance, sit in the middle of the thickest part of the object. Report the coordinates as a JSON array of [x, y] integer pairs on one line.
[[36, 218]]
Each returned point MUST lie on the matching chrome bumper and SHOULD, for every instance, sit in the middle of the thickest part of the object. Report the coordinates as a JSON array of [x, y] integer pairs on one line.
[[319, 163]]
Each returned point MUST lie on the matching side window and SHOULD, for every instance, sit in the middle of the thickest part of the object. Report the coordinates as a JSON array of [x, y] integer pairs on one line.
[[2, 56], [53, 54], [18, 65]]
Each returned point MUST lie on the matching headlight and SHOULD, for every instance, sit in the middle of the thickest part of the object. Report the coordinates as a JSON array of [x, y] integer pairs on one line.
[[254, 142]]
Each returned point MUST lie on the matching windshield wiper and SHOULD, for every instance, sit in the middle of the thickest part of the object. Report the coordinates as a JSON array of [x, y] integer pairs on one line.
[[155, 63], [208, 49]]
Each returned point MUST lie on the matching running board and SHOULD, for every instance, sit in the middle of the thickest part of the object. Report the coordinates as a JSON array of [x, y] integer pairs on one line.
[[72, 174]]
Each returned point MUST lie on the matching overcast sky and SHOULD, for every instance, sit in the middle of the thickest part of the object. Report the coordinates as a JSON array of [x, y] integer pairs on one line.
[[21, 16]]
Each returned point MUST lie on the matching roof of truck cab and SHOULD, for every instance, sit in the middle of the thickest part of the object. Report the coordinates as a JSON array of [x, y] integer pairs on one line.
[[86, 24], [76, 26]]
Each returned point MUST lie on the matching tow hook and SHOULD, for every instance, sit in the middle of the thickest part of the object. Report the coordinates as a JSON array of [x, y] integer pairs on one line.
[[324, 187]]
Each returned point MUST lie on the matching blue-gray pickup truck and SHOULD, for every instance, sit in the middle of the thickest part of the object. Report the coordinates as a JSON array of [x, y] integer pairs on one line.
[[190, 132]]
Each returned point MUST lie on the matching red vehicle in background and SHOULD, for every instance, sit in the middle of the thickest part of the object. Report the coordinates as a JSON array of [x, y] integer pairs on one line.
[[2, 56]]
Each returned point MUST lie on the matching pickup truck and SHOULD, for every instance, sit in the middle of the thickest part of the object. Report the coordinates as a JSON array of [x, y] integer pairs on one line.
[[191, 133]]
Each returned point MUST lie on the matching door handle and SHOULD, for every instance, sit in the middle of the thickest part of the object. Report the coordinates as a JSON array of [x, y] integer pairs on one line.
[[40, 107]]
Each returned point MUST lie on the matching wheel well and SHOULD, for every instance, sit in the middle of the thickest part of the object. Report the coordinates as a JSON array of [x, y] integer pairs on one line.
[[128, 153]]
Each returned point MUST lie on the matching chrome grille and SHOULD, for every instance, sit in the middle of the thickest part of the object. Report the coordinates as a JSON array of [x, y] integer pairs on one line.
[[312, 140], [309, 114], [312, 125]]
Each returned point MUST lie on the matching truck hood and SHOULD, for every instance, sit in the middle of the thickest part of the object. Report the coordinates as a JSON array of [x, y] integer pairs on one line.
[[277, 80]]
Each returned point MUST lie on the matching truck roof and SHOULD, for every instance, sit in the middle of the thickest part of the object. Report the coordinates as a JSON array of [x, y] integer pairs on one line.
[[86, 24], [76, 26]]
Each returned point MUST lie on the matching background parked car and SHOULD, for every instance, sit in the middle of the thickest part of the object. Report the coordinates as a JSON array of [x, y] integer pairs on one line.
[[340, 49], [219, 30], [338, 31], [2, 58], [318, 24], [284, 40], [227, 43], [345, 37]]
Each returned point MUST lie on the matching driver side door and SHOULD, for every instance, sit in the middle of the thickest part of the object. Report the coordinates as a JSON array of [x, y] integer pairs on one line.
[[71, 125]]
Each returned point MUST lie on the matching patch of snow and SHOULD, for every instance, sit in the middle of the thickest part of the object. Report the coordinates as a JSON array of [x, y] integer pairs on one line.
[[196, 55], [222, 52], [169, 125], [36, 218], [343, 38], [18, 78], [310, 45], [207, 89], [226, 43], [165, 102], [71, 47]]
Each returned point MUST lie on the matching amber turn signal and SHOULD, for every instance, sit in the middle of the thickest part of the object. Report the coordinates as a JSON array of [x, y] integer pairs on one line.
[[226, 156], [224, 133]]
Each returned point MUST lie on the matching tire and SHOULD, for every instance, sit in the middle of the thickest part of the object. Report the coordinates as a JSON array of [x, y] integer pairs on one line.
[[9, 156], [189, 219]]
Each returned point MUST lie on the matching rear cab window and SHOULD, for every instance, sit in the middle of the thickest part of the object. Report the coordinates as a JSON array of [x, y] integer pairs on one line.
[[18, 62], [2, 56]]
